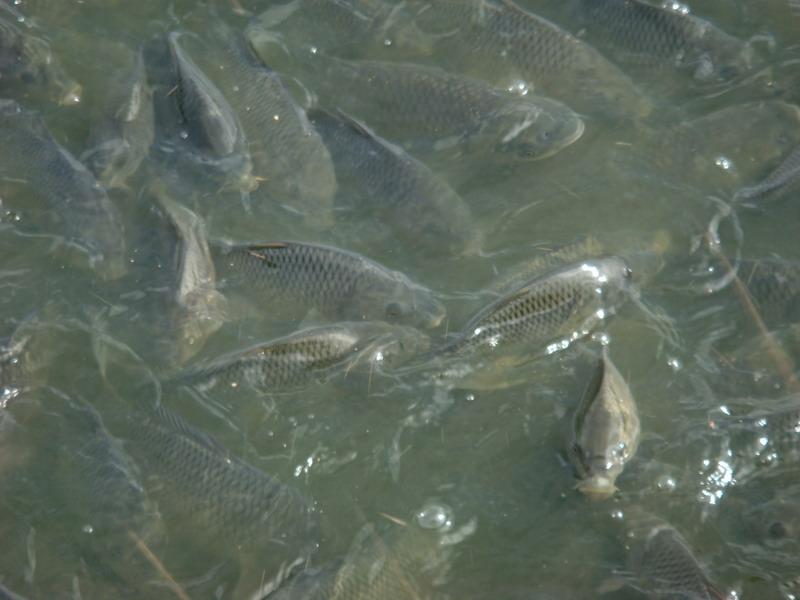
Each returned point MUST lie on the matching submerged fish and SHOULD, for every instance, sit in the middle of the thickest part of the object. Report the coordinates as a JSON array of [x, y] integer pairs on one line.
[[290, 161], [648, 35], [499, 41], [400, 565], [783, 181], [200, 307], [565, 303], [25, 58], [209, 123], [296, 277], [605, 431], [382, 179], [88, 219], [308, 356], [121, 138], [665, 566], [432, 109], [774, 285]]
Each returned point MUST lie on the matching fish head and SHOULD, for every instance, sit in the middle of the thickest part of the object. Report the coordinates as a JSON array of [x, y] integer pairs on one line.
[[395, 299], [533, 130], [597, 487], [774, 523], [110, 161], [614, 278], [398, 345]]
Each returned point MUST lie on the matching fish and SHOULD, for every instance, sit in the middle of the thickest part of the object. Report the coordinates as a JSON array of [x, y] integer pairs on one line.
[[605, 431], [26, 59], [774, 286], [382, 179], [87, 217], [399, 564], [665, 566], [651, 36], [339, 285], [508, 46], [292, 166], [434, 110], [209, 125], [200, 308], [565, 303], [779, 184], [7, 594], [121, 138], [306, 357]]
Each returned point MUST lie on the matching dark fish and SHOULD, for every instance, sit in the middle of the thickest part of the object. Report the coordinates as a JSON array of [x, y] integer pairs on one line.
[[382, 179], [399, 565], [30, 155], [605, 432], [25, 58], [503, 43], [774, 285], [290, 162], [122, 136], [340, 285], [434, 110], [200, 308], [563, 304], [307, 357], [209, 123], [782, 182], [652, 36], [666, 568]]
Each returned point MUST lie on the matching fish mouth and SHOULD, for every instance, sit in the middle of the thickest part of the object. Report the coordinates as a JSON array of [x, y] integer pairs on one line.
[[580, 128], [597, 488], [432, 312]]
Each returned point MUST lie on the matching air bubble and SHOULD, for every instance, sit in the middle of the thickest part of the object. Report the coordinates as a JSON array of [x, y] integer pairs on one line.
[[435, 516]]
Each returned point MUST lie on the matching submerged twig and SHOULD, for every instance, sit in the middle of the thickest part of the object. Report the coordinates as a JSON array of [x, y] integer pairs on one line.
[[158, 566], [783, 362]]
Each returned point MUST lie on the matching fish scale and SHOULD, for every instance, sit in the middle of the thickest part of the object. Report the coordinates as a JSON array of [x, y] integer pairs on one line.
[[336, 283], [781, 182]]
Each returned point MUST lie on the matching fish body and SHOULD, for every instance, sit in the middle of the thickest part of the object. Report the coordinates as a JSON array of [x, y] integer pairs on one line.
[[200, 308], [666, 568], [121, 138], [209, 124], [305, 357], [290, 162], [397, 565], [774, 285], [505, 44], [605, 432], [566, 303], [435, 110], [782, 182], [648, 35], [26, 58], [421, 209], [340, 285], [88, 218]]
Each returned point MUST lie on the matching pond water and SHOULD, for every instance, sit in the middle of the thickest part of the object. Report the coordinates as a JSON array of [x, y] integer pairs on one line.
[[368, 299]]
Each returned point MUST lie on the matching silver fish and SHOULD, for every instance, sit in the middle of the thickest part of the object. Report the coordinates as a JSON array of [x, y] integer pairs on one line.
[[385, 181], [783, 181], [642, 34], [291, 164], [26, 58], [89, 219], [665, 566], [200, 308], [306, 357], [503, 43], [210, 124], [121, 138], [400, 565], [566, 303], [299, 277], [434, 110], [605, 431]]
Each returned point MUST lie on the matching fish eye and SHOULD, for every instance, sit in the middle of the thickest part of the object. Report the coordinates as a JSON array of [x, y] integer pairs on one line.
[[394, 310]]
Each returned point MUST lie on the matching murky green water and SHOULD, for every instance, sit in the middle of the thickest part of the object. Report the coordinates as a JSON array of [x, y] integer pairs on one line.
[[460, 181]]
